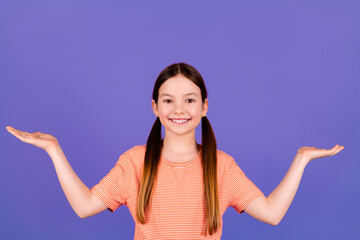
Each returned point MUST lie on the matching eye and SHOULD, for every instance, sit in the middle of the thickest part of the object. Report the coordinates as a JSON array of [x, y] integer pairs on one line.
[[191, 100], [166, 100]]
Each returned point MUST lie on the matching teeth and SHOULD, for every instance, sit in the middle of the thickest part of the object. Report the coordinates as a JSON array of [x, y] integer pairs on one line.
[[179, 121]]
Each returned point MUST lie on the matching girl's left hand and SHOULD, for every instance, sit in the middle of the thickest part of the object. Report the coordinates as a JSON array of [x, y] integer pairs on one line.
[[310, 153]]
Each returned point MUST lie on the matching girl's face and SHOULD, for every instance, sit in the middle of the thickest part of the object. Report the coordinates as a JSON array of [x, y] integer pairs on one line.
[[179, 106]]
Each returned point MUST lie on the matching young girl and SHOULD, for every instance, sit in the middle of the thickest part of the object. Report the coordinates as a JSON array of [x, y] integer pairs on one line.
[[174, 187]]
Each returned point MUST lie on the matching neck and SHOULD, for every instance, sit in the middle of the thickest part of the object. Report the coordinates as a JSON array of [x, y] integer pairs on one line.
[[180, 145]]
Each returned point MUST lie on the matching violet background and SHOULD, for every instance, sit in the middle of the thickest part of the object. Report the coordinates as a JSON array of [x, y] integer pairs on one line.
[[280, 75]]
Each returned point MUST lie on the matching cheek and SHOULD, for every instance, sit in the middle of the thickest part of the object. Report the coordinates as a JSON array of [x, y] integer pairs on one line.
[[195, 114], [164, 112], [198, 110]]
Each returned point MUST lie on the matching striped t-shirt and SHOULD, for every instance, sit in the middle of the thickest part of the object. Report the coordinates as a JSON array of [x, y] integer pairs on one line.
[[177, 206]]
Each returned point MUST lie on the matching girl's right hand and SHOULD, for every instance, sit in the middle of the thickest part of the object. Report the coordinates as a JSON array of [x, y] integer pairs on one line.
[[38, 139]]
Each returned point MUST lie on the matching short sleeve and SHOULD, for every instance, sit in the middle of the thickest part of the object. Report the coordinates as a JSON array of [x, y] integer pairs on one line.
[[112, 190], [241, 190]]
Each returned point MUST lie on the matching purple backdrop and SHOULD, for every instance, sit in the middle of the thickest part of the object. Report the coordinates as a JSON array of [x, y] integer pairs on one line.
[[280, 75]]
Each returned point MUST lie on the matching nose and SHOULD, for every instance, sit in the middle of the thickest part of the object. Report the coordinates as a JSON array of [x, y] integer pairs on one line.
[[179, 108]]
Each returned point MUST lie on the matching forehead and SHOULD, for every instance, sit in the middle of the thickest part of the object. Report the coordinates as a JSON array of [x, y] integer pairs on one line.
[[179, 86]]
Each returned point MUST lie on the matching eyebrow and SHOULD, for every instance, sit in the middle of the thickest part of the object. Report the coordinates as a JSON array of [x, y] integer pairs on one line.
[[187, 94]]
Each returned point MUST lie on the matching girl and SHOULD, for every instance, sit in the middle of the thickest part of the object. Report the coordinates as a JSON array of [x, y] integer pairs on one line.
[[174, 187]]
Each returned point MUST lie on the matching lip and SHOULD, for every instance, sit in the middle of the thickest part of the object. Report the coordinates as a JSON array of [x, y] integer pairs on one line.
[[170, 119], [179, 118]]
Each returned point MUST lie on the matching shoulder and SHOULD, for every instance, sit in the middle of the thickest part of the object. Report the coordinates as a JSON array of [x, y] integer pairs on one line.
[[224, 160], [134, 155], [223, 155], [136, 150]]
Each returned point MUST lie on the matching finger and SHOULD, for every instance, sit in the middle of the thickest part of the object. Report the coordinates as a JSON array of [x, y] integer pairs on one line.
[[340, 148], [39, 134], [10, 128], [24, 135], [336, 150], [14, 130], [19, 136], [18, 133], [330, 151]]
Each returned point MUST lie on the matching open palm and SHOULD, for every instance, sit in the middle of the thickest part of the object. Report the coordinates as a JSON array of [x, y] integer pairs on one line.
[[38, 139], [310, 153]]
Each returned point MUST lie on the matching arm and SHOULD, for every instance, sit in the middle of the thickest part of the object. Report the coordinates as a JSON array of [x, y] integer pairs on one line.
[[273, 208], [83, 202]]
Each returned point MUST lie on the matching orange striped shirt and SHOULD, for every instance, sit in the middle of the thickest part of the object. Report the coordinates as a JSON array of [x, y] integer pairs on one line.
[[177, 208]]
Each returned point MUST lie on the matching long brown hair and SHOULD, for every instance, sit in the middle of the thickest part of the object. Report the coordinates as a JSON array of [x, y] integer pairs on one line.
[[155, 143]]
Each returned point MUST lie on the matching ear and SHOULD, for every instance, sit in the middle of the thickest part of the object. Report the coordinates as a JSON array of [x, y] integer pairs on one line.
[[205, 107], [155, 108]]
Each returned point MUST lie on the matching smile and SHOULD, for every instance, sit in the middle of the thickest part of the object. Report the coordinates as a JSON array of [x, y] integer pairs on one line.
[[179, 121]]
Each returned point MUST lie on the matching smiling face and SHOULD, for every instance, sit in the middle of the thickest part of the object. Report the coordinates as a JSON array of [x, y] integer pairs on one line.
[[179, 106]]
